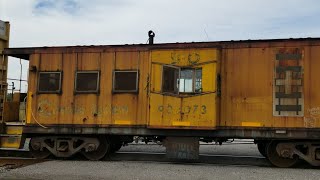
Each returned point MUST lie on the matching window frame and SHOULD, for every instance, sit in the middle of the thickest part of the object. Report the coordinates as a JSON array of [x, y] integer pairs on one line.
[[49, 92], [125, 91], [87, 72], [178, 80], [195, 80]]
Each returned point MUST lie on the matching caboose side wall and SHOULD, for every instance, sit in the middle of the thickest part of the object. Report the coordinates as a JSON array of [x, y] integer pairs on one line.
[[247, 94], [248, 79], [192, 110], [92, 109]]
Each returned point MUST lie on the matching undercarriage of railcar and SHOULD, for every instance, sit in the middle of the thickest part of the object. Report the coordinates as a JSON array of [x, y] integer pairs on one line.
[[280, 150]]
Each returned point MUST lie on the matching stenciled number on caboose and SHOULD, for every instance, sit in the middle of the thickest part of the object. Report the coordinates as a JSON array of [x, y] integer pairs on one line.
[[169, 109], [288, 83]]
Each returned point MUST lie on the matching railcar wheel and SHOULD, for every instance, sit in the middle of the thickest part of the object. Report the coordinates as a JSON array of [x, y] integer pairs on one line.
[[100, 152], [36, 150], [276, 159], [262, 147]]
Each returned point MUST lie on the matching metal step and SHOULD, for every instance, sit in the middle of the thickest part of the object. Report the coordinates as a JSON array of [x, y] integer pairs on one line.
[[14, 128], [10, 141], [15, 123], [14, 149]]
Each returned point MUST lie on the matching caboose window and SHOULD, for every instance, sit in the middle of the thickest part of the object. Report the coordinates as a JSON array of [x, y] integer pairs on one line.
[[186, 80], [170, 77], [49, 82], [87, 82], [125, 81], [190, 80], [183, 80]]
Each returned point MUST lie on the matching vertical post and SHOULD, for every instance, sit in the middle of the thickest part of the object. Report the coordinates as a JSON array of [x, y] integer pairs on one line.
[[20, 78], [4, 43]]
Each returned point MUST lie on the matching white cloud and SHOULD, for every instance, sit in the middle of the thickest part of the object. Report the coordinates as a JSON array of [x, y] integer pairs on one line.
[[83, 22], [127, 21]]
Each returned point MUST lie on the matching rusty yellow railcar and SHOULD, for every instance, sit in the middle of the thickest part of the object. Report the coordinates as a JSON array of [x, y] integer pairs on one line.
[[92, 99]]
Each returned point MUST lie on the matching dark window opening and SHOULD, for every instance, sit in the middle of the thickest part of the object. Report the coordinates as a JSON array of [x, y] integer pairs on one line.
[[170, 79], [125, 81], [87, 81], [49, 82]]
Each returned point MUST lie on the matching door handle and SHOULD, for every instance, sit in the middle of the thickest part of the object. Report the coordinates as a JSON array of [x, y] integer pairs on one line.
[[218, 85]]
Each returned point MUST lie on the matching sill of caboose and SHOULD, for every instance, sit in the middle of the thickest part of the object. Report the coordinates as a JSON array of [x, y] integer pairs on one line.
[[125, 92], [183, 94], [180, 94], [14, 123]]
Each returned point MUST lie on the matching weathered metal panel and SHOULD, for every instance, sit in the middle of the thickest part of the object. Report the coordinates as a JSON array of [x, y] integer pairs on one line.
[[14, 129], [10, 141], [184, 110], [156, 77], [200, 111], [311, 88], [164, 110], [184, 148], [209, 76], [11, 111], [184, 57], [102, 108], [248, 80]]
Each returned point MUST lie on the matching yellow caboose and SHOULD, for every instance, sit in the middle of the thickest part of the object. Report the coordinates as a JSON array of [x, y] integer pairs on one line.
[[92, 99]]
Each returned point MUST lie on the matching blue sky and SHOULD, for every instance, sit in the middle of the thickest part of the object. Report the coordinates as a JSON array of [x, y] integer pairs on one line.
[[96, 22], [44, 7]]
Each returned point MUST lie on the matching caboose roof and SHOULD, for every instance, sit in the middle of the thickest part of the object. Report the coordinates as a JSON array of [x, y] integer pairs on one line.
[[25, 52]]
